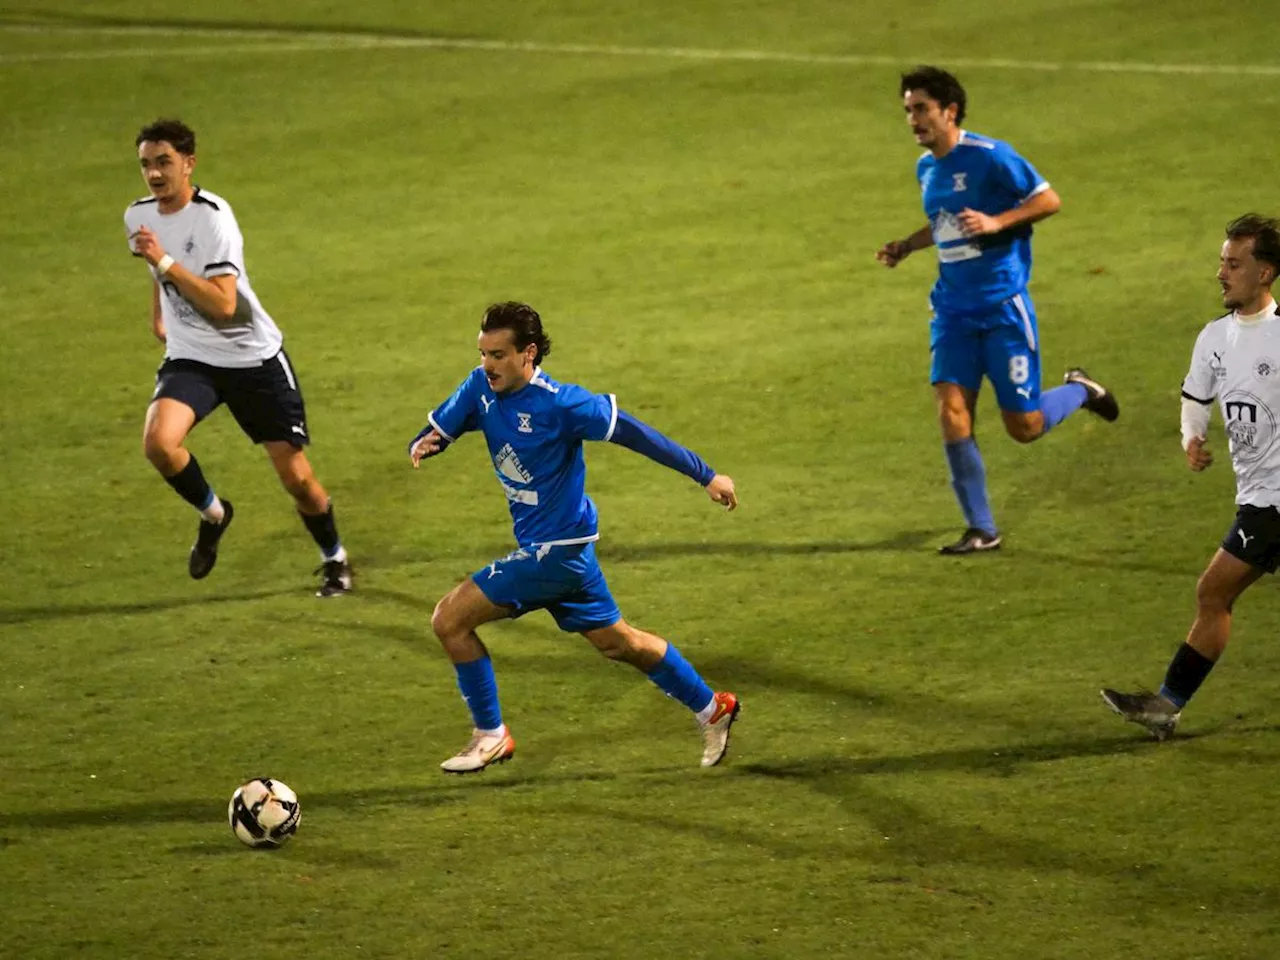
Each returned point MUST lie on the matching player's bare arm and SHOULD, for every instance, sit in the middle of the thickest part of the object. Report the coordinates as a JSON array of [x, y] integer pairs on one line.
[[215, 298], [721, 490], [157, 318], [1044, 204], [895, 251]]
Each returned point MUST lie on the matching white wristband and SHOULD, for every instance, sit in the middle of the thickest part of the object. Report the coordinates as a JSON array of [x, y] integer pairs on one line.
[[165, 263]]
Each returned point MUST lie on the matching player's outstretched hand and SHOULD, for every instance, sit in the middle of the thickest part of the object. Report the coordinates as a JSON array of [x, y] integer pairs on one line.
[[720, 489], [1198, 455], [975, 223], [893, 253], [427, 445]]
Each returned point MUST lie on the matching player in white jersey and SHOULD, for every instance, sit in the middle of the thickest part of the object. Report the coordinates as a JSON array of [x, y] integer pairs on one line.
[[1236, 362], [220, 347]]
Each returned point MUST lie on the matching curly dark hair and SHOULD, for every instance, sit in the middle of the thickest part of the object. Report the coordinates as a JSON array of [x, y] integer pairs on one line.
[[175, 132], [523, 322], [939, 85]]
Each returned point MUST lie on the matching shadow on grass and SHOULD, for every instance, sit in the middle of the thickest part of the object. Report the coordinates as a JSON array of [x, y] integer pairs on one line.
[[996, 759], [309, 852], [68, 19], [448, 790], [615, 551], [1101, 561], [71, 611]]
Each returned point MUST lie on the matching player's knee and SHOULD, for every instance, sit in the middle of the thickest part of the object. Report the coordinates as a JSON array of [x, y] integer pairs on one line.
[[158, 452], [1022, 431], [615, 647], [1210, 597], [298, 483], [443, 623]]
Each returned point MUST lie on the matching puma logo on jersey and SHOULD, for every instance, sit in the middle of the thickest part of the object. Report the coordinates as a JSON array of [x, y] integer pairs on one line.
[[1023, 392], [486, 401]]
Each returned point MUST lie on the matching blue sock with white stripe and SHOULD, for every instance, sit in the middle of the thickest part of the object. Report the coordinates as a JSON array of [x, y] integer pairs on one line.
[[480, 689], [969, 481], [1061, 402], [675, 677]]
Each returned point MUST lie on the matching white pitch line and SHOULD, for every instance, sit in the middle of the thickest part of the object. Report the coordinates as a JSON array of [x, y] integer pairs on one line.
[[305, 41]]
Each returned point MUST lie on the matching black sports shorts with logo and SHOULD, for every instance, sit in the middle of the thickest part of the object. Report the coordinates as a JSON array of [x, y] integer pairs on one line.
[[265, 400], [1255, 537]]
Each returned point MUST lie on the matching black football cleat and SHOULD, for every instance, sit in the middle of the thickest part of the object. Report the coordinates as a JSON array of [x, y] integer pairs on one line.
[[1101, 400], [1147, 709], [204, 553], [972, 540], [335, 578]]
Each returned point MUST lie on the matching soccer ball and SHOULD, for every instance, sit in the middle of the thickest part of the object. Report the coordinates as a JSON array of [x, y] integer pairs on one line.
[[264, 813]]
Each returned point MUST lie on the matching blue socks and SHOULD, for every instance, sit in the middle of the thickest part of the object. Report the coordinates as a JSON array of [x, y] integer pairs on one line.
[[1060, 402], [480, 689], [675, 677], [969, 481]]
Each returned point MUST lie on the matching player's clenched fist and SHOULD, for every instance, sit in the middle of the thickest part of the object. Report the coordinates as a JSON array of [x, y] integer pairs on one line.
[[721, 490], [145, 244], [893, 252], [1198, 455]]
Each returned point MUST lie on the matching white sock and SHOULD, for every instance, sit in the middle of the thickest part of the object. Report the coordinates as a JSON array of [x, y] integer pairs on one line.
[[340, 555], [707, 712], [214, 512], [500, 732]]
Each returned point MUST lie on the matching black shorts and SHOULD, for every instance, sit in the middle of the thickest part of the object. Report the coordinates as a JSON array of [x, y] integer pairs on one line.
[[1255, 537], [265, 400]]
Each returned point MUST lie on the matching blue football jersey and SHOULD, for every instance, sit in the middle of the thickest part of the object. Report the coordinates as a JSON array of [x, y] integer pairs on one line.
[[535, 439], [987, 175]]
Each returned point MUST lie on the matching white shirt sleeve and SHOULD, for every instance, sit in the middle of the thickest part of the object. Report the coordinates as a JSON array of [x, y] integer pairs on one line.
[[1199, 388], [1201, 382], [222, 246], [1195, 421]]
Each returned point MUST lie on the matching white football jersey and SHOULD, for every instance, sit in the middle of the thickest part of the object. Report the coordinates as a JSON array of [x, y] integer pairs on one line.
[[204, 237], [1238, 364]]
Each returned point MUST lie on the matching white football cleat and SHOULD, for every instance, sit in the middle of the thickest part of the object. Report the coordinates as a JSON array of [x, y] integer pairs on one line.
[[483, 750], [715, 732]]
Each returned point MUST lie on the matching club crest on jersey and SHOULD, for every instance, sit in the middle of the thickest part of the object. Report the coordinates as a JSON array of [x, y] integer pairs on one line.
[[525, 422], [1264, 368], [1251, 425], [957, 182]]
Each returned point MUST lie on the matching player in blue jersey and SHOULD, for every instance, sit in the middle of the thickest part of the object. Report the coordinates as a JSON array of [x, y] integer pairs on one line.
[[981, 198], [534, 428]]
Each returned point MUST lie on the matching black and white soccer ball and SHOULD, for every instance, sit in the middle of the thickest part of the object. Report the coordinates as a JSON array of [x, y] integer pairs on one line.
[[264, 813]]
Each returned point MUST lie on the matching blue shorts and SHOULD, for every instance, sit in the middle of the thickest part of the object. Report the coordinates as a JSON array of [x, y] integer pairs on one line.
[[1001, 343], [566, 581]]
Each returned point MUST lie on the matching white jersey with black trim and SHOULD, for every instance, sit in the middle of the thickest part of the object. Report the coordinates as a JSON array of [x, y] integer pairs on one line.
[[1236, 361], [204, 237]]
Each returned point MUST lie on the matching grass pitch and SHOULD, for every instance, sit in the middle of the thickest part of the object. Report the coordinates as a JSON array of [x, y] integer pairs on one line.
[[692, 196]]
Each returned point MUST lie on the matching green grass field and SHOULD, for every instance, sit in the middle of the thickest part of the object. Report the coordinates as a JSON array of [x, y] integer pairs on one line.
[[692, 195]]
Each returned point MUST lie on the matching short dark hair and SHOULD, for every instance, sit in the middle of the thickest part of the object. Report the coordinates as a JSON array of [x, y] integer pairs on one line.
[[1265, 233], [523, 322], [182, 137], [938, 84]]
